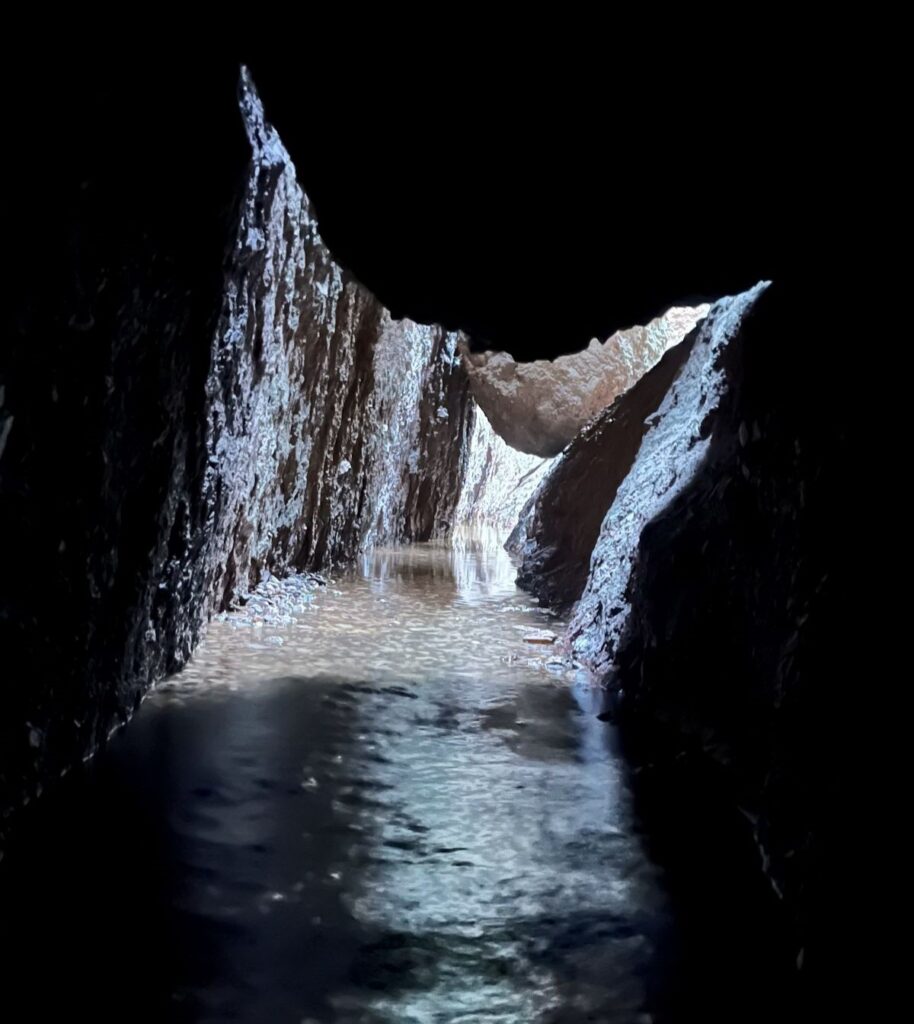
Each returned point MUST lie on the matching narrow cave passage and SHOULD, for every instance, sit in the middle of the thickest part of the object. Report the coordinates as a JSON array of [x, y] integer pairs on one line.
[[374, 675], [369, 800], [382, 793]]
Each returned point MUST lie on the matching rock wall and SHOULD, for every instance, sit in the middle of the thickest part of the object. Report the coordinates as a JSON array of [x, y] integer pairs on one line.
[[669, 455], [331, 426], [162, 448], [744, 642], [112, 300], [721, 604], [498, 481], [559, 526], [540, 407]]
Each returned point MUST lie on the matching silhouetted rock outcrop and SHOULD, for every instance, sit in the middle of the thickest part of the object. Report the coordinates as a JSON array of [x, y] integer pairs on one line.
[[744, 620], [121, 221]]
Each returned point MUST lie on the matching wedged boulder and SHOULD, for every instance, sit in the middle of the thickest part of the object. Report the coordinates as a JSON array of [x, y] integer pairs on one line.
[[540, 407], [558, 529]]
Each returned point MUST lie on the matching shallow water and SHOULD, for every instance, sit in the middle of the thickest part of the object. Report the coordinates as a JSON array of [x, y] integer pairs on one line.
[[428, 614], [379, 804]]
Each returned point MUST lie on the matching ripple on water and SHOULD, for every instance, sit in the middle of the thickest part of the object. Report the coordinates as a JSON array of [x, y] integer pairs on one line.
[[408, 614], [399, 813]]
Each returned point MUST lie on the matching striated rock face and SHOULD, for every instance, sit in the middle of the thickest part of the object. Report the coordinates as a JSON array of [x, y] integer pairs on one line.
[[499, 480], [332, 427], [672, 450], [178, 452], [559, 527], [540, 407], [724, 604]]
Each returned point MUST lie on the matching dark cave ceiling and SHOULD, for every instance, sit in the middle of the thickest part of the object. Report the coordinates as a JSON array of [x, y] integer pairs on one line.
[[535, 209]]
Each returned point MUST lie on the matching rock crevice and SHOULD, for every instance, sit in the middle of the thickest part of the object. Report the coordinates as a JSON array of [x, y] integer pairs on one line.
[[669, 455], [558, 528]]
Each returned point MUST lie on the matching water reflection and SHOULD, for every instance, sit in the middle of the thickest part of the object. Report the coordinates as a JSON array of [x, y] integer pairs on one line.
[[392, 809], [414, 613]]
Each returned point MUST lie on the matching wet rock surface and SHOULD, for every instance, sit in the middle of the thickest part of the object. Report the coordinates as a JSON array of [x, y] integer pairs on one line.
[[558, 529], [669, 455], [332, 426], [184, 445], [718, 588], [121, 218], [540, 407], [498, 480], [742, 591]]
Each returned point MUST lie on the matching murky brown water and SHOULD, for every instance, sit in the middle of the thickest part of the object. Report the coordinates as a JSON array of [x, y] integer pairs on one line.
[[380, 805]]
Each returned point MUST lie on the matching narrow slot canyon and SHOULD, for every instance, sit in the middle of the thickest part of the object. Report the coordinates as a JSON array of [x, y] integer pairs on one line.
[[481, 666]]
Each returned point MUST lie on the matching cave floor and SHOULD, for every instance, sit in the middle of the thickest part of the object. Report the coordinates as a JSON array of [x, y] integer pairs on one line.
[[382, 805]]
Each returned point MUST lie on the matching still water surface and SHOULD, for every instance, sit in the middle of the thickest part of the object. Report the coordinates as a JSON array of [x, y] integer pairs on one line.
[[370, 802]]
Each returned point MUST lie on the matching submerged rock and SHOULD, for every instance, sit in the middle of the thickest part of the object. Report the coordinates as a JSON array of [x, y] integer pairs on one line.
[[540, 636]]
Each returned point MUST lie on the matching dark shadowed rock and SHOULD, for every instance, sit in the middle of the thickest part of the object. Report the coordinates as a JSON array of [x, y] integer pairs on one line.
[[733, 638], [192, 400], [121, 215]]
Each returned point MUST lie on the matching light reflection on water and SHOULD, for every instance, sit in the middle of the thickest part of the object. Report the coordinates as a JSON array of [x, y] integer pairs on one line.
[[410, 614], [400, 813]]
